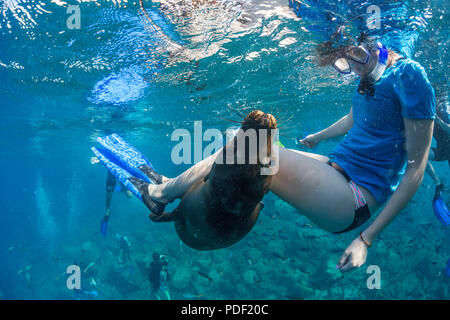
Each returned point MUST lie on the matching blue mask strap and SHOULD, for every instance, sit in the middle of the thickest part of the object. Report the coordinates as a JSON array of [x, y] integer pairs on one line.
[[383, 56]]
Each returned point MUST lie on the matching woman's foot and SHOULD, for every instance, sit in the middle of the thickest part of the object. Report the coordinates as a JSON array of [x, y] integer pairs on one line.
[[157, 213], [157, 192], [155, 206], [154, 176]]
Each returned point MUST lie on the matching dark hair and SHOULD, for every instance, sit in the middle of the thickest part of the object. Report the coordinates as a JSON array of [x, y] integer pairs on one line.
[[327, 51], [369, 42], [155, 256], [340, 40]]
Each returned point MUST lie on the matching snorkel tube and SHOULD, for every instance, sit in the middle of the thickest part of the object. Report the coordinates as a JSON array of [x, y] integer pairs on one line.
[[366, 85], [378, 71], [447, 269]]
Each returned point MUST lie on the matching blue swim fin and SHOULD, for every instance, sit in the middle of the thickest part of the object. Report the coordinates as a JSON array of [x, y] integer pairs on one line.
[[440, 207], [126, 155], [447, 269], [104, 226], [129, 167], [114, 166], [118, 188]]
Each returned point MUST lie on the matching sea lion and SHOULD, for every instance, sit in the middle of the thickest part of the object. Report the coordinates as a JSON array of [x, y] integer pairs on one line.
[[221, 209]]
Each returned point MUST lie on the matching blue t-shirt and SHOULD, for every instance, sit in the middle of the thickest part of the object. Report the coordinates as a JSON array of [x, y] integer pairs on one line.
[[372, 153]]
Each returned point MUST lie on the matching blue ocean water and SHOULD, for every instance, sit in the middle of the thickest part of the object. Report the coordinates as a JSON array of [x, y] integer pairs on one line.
[[142, 78]]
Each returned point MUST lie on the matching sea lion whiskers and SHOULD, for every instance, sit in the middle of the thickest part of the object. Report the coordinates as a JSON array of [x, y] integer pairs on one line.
[[285, 135], [287, 120], [282, 119], [239, 114], [271, 110], [229, 120], [279, 118], [289, 128]]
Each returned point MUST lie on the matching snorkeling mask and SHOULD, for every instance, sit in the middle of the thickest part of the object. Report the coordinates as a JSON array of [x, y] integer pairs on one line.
[[357, 54], [348, 50], [163, 258]]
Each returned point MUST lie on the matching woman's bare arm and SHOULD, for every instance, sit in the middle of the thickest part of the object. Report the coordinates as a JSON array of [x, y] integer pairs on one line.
[[418, 140], [418, 134], [337, 129]]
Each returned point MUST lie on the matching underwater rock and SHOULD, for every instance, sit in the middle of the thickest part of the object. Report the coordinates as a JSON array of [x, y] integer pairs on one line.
[[205, 275], [300, 292], [300, 277], [87, 246], [442, 292], [202, 266], [411, 286], [214, 275], [279, 255], [181, 279], [325, 280], [142, 267], [254, 254], [242, 292], [313, 234], [423, 268], [395, 259], [350, 294], [281, 204], [332, 272], [337, 293], [250, 276], [276, 249], [320, 294]]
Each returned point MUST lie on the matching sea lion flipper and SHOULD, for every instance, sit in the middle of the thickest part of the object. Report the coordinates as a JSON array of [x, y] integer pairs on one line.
[[164, 217]]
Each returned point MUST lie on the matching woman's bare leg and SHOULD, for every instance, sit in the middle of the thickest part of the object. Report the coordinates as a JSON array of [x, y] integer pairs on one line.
[[318, 190], [174, 188]]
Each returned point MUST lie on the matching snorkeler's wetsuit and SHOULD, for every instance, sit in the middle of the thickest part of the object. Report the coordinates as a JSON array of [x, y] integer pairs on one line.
[[155, 268], [442, 149], [372, 153], [110, 182]]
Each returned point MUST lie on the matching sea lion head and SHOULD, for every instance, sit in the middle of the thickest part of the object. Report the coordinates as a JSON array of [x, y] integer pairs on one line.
[[236, 189], [258, 119], [263, 125], [226, 204]]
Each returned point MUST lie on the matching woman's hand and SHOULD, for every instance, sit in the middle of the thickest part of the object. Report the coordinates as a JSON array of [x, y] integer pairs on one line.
[[354, 256], [310, 140]]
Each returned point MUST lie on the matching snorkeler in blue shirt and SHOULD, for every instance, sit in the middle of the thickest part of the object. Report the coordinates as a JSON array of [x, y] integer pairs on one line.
[[389, 130]]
